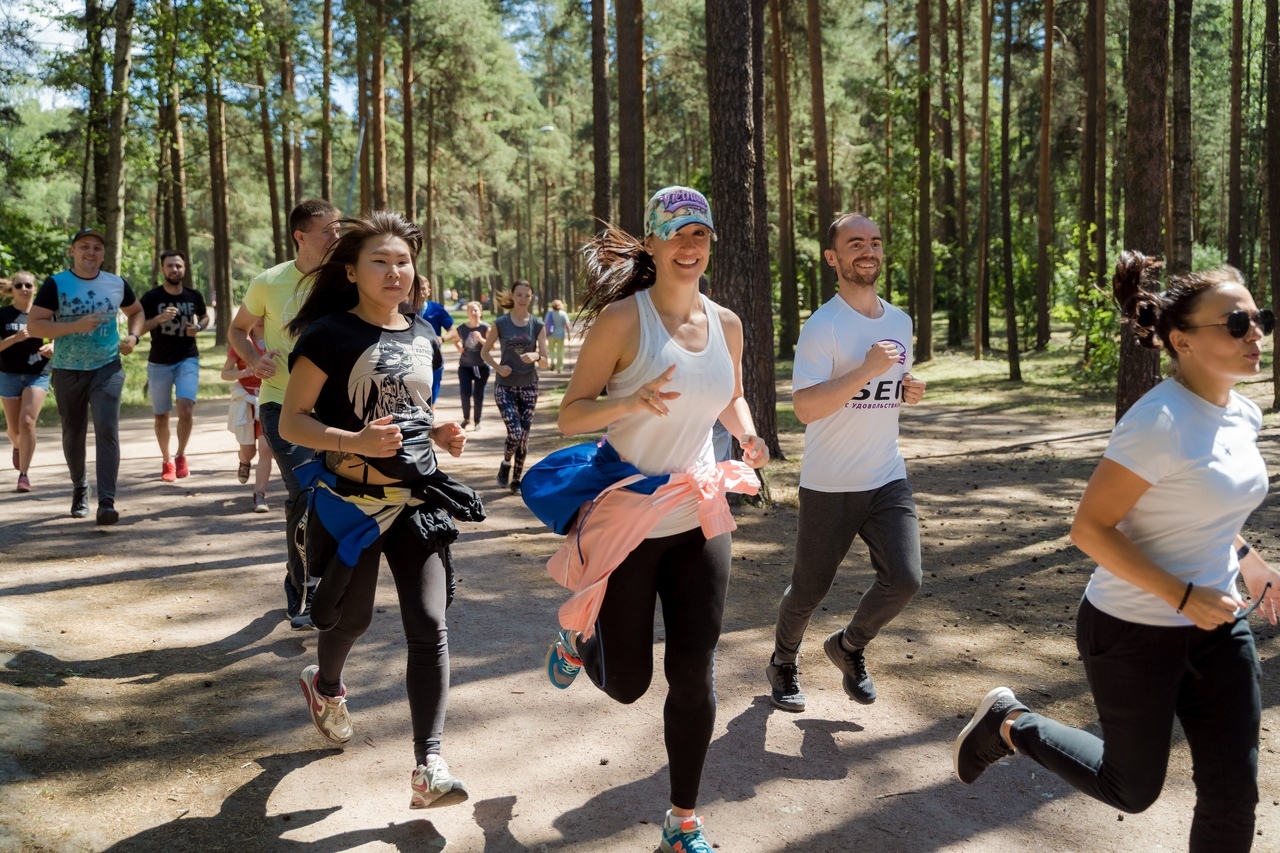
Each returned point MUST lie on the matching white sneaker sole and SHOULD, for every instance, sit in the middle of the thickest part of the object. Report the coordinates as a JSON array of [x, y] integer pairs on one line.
[[978, 715]]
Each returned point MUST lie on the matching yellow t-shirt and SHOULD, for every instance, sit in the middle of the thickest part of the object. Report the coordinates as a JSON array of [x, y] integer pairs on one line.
[[274, 295]]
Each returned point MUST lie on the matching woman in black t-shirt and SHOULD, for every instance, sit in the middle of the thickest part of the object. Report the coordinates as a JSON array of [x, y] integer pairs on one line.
[[360, 393], [24, 375], [473, 373]]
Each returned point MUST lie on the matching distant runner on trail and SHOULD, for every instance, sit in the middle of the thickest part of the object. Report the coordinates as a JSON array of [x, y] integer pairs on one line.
[[79, 307], [360, 392], [273, 297], [1162, 630], [243, 422], [851, 376], [24, 374], [175, 314], [672, 361], [523, 341]]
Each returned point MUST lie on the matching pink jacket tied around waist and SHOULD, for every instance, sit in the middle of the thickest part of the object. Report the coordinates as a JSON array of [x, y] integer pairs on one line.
[[609, 528]]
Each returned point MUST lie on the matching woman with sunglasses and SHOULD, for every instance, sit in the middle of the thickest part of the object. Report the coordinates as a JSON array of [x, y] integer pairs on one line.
[[24, 375], [1162, 630]]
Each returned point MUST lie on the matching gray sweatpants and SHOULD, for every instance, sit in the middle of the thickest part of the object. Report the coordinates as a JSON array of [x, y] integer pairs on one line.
[[77, 392], [886, 520]]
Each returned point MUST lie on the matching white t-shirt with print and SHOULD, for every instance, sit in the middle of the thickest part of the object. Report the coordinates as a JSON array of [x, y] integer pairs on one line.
[[854, 449], [1206, 477]]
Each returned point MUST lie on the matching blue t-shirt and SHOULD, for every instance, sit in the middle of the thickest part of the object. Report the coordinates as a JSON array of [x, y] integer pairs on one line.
[[71, 297], [440, 319]]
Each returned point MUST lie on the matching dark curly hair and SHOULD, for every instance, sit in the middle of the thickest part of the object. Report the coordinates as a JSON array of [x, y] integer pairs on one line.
[[1153, 314]]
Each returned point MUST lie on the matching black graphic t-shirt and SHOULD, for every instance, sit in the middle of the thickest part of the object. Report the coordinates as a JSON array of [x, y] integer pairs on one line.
[[22, 357], [170, 342], [516, 341], [471, 346], [373, 372]]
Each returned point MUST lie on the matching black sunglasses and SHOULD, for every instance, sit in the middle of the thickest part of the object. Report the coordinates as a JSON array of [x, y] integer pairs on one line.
[[24, 285], [1238, 323]]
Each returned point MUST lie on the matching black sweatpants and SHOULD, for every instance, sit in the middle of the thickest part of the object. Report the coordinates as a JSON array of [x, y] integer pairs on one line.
[[1142, 676], [690, 575], [471, 385], [343, 608]]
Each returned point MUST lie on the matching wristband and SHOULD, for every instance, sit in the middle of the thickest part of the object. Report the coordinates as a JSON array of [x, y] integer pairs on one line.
[[1186, 596], [1244, 549], [136, 340]]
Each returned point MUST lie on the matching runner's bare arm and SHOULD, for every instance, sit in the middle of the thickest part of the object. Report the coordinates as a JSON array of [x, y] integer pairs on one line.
[[736, 417], [379, 438], [239, 336]]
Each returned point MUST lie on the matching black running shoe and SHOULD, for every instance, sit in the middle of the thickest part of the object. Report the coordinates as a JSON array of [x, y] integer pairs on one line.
[[107, 513], [504, 474], [515, 486], [784, 679], [80, 502], [856, 682], [980, 745], [302, 621]]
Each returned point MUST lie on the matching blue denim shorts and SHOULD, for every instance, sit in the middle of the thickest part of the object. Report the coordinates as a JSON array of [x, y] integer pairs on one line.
[[13, 384], [164, 379]]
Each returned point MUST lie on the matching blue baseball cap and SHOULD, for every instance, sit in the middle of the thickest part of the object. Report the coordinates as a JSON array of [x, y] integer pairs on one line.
[[673, 208]]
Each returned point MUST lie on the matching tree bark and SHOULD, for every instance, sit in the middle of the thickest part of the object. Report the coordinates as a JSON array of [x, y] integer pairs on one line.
[[378, 107], [924, 188], [1101, 268], [947, 233], [284, 117], [632, 190], [269, 165], [99, 120], [821, 148], [1006, 203], [429, 222], [326, 103], [730, 60], [789, 297], [1044, 269], [220, 265], [1273, 161], [406, 98], [1088, 157], [1235, 184], [981, 332], [119, 118], [176, 153], [1146, 89], [1180, 177], [962, 196], [600, 113], [886, 230]]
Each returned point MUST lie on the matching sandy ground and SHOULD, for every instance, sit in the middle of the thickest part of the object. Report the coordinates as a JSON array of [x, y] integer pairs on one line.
[[149, 699]]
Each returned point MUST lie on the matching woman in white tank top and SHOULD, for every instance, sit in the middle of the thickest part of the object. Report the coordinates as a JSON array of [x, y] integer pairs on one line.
[[671, 360]]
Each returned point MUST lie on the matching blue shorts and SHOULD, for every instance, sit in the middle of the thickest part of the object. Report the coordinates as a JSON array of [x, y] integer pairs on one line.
[[164, 379], [13, 384]]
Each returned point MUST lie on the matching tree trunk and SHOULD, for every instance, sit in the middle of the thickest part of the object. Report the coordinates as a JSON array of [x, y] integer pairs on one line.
[[947, 234], [1102, 271], [733, 153], [632, 190], [285, 116], [119, 118], [962, 196], [176, 202], [924, 189], [378, 107], [326, 103], [789, 297], [1044, 269], [981, 333], [821, 149], [600, 113], [220, 266], [1235, 184], [429, 223], [406, 99], [1146, 88], [1273, 161], [99, 120], [887, 226], [1006, 202], [269, 166], [1180, 178], [362, 105], [1088, 155]]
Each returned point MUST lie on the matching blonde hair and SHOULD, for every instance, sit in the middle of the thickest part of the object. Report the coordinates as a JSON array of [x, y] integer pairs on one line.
[[475, 305], [557, 305]]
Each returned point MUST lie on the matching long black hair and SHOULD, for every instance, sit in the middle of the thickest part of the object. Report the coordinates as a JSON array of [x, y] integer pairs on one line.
[[332, 292], [1154, 314], [614, 266]]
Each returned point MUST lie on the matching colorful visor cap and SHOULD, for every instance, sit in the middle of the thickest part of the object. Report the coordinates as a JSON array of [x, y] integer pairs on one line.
[[673, 208]]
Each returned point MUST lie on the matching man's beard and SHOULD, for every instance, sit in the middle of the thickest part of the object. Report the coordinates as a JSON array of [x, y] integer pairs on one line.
[[175, 281], [851, 274]]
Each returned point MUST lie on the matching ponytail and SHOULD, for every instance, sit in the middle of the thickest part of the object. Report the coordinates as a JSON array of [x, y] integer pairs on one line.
[[1153, 314], [615, 266]]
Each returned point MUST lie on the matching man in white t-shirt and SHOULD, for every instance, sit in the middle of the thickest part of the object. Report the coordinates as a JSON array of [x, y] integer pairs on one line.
[[850, 378]]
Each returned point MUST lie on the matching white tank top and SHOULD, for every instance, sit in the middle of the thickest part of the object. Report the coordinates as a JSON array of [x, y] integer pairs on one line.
[[680, 441]]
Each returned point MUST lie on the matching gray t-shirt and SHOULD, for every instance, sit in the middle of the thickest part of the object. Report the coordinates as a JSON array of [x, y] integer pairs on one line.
[[516, 341]]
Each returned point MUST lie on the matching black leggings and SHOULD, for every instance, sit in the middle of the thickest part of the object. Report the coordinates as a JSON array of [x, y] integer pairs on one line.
[[1142, 676], [471, 387], [690, 574], [343, 608]]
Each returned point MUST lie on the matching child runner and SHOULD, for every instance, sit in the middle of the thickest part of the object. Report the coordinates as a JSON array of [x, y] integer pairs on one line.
[[557, 323], [360, 393], [24, 375], [473, 373], [1161, 629], [524, 350], [242, 419], [671, 360]]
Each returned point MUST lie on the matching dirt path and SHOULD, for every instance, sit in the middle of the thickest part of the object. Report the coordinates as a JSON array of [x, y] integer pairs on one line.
[[148, 685]]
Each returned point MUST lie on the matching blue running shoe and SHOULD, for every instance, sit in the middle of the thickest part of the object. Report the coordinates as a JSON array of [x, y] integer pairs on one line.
[[684, 837], [563, 665]]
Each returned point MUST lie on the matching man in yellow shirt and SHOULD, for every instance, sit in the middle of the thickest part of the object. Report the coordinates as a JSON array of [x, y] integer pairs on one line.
[[274, 296]]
